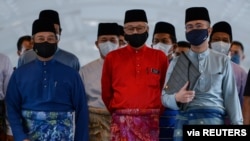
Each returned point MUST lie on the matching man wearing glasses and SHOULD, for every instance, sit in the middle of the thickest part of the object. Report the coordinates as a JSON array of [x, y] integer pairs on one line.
[[132, 82], [215, 92]]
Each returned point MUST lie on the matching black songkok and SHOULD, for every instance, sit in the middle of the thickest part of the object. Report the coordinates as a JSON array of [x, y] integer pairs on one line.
[[50, 15], [135, 15], [222, 27], [197, 13], [164, 27], [108, 29], [40, 25]]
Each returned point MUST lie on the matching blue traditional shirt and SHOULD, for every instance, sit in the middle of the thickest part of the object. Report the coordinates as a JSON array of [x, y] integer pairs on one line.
[[216, 87], [46, 86]]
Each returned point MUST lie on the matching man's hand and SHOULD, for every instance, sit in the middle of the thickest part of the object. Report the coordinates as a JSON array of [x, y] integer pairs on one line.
[[184, 95]]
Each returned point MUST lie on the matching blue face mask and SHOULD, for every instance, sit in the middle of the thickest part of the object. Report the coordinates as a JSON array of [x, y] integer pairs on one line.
[[197, 36], [236, 58]]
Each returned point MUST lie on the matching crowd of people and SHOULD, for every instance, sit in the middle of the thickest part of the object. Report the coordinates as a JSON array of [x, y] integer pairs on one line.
[[133, 92]]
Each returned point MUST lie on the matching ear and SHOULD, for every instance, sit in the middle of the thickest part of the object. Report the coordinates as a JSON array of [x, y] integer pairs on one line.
[[18, 53], [243, 57], [174, 47], [32, 42], [147, 28], [96, 44], [210, 29]]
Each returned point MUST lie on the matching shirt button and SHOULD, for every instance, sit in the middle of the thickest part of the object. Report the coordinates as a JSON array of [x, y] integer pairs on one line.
[[44, 71], [45, 86], [45, 79]]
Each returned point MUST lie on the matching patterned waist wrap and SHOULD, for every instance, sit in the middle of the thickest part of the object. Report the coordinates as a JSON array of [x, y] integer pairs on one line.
[[99, 124], [135, 124], [48, 126]]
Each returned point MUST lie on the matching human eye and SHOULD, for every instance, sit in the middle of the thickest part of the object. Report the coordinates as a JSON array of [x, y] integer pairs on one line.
[[189, 27], [40, 39], [51, 39]]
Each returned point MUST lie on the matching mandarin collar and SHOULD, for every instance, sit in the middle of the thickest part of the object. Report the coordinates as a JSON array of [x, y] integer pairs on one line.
[[199, 55], [142, 49], [45, 63]]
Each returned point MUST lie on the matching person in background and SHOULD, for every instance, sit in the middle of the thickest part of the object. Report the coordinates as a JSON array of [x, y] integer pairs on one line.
[[99, 116], [237, 52], [246, 101], [182, 46], [122, 41], [24, 44], [220, 40], [61, 55], [6, 71], [164, 38], [215, 93], [40, 102], [132, 82]]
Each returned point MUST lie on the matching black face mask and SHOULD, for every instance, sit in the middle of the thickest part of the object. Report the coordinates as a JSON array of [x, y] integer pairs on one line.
[[136, 40], [45, 49]]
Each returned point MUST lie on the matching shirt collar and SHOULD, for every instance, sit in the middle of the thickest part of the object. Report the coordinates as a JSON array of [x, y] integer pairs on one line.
[[199, 55], [142, 49]]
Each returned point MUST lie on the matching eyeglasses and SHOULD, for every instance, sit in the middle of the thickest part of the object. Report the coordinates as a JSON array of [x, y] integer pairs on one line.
[[40, 39], [131, 29]]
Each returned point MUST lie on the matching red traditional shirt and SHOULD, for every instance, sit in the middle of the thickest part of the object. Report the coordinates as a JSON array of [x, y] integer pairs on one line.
[[133, 79]]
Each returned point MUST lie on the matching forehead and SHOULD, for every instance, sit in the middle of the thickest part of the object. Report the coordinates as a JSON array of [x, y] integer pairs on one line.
[[235, 47], [162, 36], [220, 35], [194, 22], [135, 24], [107, 37]]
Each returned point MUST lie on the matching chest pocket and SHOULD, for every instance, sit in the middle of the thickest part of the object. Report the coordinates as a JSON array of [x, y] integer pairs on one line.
[[153, 77], [210, 81]]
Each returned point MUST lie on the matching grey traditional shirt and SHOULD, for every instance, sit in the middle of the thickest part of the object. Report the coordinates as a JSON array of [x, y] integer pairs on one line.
[[216, 87], [91, 78]]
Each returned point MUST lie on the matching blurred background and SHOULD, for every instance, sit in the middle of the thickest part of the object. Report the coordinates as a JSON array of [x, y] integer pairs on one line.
[[80, 18]]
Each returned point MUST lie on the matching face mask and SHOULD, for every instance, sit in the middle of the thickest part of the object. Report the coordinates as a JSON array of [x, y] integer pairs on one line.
[[197, 36], [45, 49], [235, 58], [106, 47], [221, 47], [136, 40], [163, 47]]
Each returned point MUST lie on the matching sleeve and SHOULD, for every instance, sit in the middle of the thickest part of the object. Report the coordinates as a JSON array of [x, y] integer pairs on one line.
[[81, 111], [76, 64], [106, 83], [243, 84], [165, 65], [168, 100], [230, 94], [13, 104], [8, 70]]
